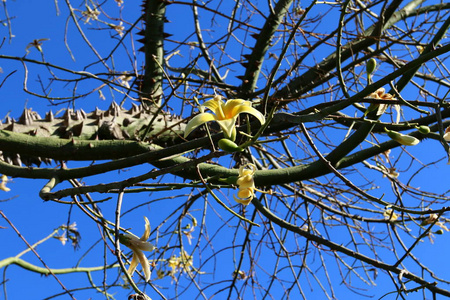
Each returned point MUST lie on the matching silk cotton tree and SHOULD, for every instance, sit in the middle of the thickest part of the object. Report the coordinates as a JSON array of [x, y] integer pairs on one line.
[[314, 180]]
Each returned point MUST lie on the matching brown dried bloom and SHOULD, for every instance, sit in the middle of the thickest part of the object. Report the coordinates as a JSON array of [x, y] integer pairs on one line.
[[381, 108]]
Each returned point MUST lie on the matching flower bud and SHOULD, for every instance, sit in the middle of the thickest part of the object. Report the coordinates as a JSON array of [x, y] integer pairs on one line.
[[371, 65], [424, 129], [229, 146], [403, 139]]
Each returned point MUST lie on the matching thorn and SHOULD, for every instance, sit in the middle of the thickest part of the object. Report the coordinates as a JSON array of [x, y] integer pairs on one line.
[[114, 109], [134, 108], [49, 117], [77, 129]]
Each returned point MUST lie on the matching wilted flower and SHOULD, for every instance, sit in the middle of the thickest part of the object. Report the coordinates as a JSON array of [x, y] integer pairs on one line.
[[137, 246], [432, 218], [447, 134], [3, 186], [381, 108], [246, 184], [119, 28], [403, 139], [124, 80], [70, 233], [90, 13], [390, 215], [391, 172], [224, 113], [239, 274], [36, 44], [188, 233]]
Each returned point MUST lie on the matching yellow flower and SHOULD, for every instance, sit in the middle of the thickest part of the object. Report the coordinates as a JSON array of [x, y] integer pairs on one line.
[[390, 215], [3, 186], [186, 260], [224, 113], [246, 184], [403, 139], [173, 263], [137, 246]]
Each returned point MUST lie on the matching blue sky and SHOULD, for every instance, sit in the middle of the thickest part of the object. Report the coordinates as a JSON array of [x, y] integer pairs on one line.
[[35, 218]]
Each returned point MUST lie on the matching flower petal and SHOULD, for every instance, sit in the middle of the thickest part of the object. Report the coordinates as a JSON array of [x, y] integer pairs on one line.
[[147, 230], [133, 264], [228, 126], [408, 140], [403, 139], [244, 197], [252, 111], [246, 181], [197, 121], [214, 105], [144, 262], [231, 108]]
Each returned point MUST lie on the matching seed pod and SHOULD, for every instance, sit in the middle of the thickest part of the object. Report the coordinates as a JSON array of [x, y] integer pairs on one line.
[[229, 146], [371, 65]]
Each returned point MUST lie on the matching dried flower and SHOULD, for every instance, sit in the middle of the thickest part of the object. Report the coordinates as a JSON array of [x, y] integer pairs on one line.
[[447, 134], [381, 108], [119, 28], [90, 13], [430, 219], [36, 44], [137, 246], [124, 80]]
